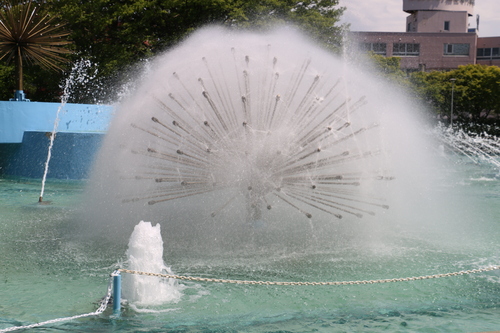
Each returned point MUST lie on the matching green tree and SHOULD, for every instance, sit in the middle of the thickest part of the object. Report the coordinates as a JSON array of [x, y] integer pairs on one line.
[[28, 35], [115, 34], [7, 81], [390, 67], [476, 92], [478, 88], [428, 87]]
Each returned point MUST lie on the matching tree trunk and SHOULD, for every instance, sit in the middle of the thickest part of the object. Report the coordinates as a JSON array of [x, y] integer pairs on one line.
[[19, 69]]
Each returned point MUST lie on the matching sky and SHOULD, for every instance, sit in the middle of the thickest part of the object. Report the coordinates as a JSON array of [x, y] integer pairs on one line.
[[388, 15]]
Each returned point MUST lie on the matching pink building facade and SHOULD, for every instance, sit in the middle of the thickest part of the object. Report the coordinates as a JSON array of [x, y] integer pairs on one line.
[[437, 37], [488, 51], [421, 51]]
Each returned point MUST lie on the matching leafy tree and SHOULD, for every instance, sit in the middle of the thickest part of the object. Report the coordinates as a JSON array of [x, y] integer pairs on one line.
[[428, 87], [115, 34], [29, 35], [7, 81], [389, 67], [476, 92]]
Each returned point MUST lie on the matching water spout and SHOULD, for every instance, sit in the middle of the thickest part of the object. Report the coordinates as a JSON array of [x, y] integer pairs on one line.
[[252, 132], [77, 74], [145, 254]]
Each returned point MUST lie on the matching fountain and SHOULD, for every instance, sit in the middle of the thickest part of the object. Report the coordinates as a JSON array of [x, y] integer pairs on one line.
[[264, 158], [477, 148], [256, 136], [145, 254], [77, 75]]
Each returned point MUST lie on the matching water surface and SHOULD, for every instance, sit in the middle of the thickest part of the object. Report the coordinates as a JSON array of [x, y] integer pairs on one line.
[[49, 271]]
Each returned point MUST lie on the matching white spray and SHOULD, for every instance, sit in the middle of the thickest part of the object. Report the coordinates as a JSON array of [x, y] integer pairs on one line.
[[78, 75], [145, 254]]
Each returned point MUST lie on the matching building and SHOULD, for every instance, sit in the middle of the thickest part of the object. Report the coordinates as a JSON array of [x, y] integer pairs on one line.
[[488, 51], [438, 37]]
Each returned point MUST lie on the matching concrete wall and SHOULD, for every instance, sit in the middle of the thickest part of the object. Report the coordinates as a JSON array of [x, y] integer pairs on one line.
[[25, 132], [72, 155], [434, 21], [19, 117]]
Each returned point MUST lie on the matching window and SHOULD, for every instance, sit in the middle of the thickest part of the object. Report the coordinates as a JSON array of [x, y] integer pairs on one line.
[[378, 48], [488, 53], [406, 49], [456, 49], [446, 25]]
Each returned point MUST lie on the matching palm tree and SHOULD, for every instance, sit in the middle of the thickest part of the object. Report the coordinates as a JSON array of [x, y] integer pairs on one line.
[[26, 35]]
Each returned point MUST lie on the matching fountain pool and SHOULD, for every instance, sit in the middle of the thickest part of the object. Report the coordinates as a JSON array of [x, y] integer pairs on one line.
[[430, 211], [49, 273]]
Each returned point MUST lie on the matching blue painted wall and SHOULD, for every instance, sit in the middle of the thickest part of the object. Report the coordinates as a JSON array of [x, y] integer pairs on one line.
[[19, 117], [72, 155], [25, 129]]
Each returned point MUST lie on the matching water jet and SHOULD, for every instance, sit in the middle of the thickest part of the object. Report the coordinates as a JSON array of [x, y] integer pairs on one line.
[[247, 149], [246, 127], [145, 254]]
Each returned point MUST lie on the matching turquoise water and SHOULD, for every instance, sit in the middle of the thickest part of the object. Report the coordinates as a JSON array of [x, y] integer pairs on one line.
[[48, 271]]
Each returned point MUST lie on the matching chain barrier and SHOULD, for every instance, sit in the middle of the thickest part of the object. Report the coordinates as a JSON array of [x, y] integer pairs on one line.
[[104, 302], [102, 307], [335, 283]]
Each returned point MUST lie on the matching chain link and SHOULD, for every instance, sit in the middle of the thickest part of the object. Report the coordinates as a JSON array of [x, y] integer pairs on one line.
[[102, 307], [334, 283], [104, 302]]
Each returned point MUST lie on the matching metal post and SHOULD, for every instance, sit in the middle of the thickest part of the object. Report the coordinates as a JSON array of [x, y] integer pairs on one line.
[[19, 96], [452, 93], [117, 292]]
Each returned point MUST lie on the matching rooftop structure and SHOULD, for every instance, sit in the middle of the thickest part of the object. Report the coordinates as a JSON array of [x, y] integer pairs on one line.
[[438, 15], [412, 6]]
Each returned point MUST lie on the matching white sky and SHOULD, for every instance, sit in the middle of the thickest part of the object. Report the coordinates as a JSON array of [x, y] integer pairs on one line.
[[388, 15]]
